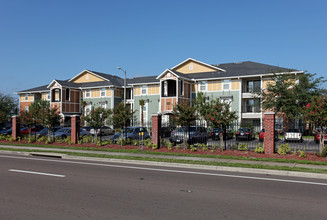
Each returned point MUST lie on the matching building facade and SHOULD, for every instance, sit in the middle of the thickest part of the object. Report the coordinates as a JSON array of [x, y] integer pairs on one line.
[[234, 83]]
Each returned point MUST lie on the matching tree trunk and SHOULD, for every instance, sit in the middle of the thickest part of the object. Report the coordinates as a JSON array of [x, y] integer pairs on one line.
[[142, 123], [49, 133], [321, 141]]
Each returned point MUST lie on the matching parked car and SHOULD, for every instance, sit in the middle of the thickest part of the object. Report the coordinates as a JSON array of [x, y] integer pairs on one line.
[[215, 134], [166, 131], [65, 132], [293, 135], [244, 134], [262, 135], [6, 131], [317, 135], [105, 130], [134, 133], [26, 130], [192, 135], [44, 132]]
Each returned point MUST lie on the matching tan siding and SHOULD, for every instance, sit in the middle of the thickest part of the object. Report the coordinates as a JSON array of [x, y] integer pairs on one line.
[[83, 78], [214, 85], [108, 92], [153, 90], [137, 91], [266, 81], [235, 85], [30, 98], [197, 68], [95, 93]]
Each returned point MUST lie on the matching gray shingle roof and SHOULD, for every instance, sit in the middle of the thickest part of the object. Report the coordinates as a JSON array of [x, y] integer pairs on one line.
[[36, 89], [145, 79]]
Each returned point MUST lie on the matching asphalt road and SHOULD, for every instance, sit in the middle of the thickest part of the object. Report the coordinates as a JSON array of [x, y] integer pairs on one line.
[[45, 188]]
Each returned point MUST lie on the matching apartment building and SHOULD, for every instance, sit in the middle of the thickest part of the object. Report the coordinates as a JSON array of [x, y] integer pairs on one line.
[[234, 83]]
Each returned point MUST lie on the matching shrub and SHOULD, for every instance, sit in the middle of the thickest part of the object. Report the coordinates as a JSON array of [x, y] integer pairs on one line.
[[154, 146], [193, 148], [324, 152], [170, 147], [284, 149], [243, 147], [259, 149], [177, 147], [221, 148], [302, 154], [135, 142]]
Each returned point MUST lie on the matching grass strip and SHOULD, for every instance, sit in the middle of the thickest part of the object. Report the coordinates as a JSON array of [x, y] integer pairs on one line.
[[137, 151], [182, 161]]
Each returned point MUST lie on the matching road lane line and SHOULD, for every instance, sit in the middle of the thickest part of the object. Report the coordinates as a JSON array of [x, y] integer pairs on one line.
[[37, 173], [172, 171]]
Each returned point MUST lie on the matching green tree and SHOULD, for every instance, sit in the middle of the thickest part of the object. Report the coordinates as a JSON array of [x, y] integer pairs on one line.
[[122, 116], [220, 116], [8, 105], [31, 117], [202, 106], [96, 118], [315, 112], [184, 114], [47, 116], [288, 93]]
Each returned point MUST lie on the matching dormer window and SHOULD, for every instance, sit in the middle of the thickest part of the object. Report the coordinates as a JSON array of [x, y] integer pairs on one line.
[[190, 67]]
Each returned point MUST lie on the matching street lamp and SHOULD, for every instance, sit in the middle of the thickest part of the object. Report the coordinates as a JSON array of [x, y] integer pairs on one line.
[[124, 85]]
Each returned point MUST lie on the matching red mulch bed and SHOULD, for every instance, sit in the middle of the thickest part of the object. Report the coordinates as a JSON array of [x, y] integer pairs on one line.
[[236, 153]]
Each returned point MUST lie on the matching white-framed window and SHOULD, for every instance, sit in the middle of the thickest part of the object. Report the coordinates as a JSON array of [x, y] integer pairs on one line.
[[87, 93], [144, 90], [203, 86], [226, 84], [26, 97], [165, 88], [87, 77], [26, 108], [190, 67], [48, 96], [103, 92]]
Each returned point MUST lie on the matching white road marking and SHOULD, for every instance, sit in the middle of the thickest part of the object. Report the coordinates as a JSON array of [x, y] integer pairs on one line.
[[37, 173], [171, 171]]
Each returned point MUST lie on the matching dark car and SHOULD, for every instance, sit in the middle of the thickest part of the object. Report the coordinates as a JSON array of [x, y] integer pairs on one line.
[[44, 132], [33, 130], [262, 135], [65, 132], [134, 133], [215, 134], [7, 131], [105, 130], [317, 135], [192, 135], [244, 134]]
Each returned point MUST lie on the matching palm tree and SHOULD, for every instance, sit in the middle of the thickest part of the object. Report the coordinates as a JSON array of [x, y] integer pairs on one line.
[[142, 102]]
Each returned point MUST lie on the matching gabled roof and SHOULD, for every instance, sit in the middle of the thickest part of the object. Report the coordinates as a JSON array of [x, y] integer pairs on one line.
[[92, 72], [175, 73], [208, 65]]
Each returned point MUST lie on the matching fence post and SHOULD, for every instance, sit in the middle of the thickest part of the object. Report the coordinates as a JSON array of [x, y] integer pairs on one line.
[[156, 129], [15, 127], [269, 126], [75, 128]]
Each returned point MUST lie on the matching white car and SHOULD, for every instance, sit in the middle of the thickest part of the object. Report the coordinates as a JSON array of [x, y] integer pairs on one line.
[[293, 135], [105, 130]]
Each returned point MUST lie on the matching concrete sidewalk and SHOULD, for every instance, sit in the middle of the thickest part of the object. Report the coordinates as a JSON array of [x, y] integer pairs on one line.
[[62, 154]]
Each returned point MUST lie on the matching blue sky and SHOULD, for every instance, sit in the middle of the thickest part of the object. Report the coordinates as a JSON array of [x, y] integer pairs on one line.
[[42, 40]]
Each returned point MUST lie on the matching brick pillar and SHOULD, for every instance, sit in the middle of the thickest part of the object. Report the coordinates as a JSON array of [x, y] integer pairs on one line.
[[156, 129], [75, 125], [269, 126], [15, 127]]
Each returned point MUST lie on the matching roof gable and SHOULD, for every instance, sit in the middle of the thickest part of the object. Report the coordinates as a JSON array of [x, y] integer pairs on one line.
[[190, 66], [87, 76]]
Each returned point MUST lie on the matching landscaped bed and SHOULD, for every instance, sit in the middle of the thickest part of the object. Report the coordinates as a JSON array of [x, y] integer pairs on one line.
[[199, 152]]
